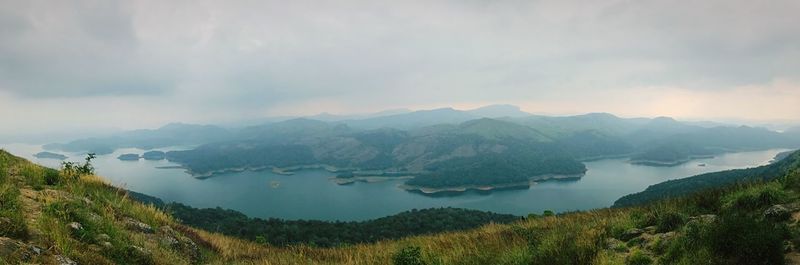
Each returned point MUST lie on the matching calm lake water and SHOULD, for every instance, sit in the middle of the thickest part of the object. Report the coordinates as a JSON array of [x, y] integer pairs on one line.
[[310, 195]]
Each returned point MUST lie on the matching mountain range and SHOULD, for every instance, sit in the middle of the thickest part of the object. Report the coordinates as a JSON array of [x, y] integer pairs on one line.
[[443, 149]]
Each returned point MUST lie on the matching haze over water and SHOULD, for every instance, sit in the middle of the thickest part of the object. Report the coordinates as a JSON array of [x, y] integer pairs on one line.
[[310, 195]]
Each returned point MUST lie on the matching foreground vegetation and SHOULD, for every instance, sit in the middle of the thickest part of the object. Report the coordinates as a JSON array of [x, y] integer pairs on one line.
[[279, 232], [49, 217]]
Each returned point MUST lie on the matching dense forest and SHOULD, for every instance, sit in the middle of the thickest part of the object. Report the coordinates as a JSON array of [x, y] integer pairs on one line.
[[324, 233]]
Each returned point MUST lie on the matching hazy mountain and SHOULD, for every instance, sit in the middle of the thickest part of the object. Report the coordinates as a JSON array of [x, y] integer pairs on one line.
[[414, 119], [498, 111], [169, 135], [335, 117]]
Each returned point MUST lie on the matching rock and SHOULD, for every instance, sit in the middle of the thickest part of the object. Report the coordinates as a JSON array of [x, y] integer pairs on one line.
[[75, 226], [650, 229], [65, 260], [167, 230], [9, 246], [5, 222], [178, 242], [616, 245], [659, 242], [36, 250], [705, 219], [631, 233], [777, 213], [170, 241], [142, 251], [640, 240], [106, 244], [138, 226], [102, 237]]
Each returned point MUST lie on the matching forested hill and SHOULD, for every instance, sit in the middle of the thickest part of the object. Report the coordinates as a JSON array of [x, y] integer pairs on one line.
[[680, 187], [282, 232]]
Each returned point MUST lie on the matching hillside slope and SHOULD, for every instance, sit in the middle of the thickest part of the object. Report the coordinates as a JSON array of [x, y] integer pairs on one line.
[[50, 218]]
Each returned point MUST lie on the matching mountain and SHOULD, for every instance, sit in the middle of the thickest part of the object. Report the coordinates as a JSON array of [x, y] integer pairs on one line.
[[172, 134], [498, 111], [601, 122], [335, 117], [52, 217], [302, 142], [416, 119]]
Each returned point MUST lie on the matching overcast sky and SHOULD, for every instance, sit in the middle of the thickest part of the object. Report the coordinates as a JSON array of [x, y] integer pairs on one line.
[[137, 64]]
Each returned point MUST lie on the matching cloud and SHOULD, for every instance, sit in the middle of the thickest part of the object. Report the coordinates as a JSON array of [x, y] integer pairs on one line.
[[272, 57]]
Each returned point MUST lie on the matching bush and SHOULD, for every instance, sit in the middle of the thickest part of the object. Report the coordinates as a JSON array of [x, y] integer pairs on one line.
[[73, 170], [744, 240], [638, 258], [410, 255], [670, 221], [51, 177], [754, 197]]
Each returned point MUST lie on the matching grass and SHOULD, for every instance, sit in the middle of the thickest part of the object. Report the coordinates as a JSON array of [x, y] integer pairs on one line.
[[739, 236]]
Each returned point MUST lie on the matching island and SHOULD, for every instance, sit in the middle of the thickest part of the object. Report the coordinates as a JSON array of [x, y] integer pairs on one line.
[[128, 157], [153, 155], [49, 155]]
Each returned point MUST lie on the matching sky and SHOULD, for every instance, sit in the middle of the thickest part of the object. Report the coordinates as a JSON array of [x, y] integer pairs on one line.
[[95, 65]]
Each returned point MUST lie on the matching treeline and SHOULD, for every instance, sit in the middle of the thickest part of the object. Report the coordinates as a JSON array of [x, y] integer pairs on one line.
[[281, 232]]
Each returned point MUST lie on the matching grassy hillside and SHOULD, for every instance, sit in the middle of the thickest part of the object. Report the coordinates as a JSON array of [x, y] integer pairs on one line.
[[50, 217]]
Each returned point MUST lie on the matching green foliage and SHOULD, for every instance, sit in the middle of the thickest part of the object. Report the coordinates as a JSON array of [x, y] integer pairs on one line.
[[670, 221], [410, 255], [13, 224], [547, 213], [327, 234], [754, 197], [637, 257], [73, 170], [744, 240]]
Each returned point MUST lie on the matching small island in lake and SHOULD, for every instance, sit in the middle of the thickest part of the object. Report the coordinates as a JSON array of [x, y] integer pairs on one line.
[[128, 157], [50, 155], [153, 155]]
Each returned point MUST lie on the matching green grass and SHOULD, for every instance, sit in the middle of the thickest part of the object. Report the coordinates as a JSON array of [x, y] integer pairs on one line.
[[13, 222]]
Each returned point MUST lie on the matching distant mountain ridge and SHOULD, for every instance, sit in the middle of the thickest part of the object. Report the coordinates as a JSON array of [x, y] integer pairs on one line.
[[431, 144]]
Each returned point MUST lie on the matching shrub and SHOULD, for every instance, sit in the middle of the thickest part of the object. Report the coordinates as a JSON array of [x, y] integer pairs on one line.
[[670, 221], [73, 170], [410, 255], [754, 197], [744, 240], [638, 258], [547, 213], [51, 177]]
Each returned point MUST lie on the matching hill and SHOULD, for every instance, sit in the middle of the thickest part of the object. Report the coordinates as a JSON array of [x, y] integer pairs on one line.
[[52, 217], [684, 186], [173, 134]]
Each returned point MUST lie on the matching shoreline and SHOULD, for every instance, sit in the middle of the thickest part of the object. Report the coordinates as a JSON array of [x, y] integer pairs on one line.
[[657, 163], [484, 188], [366, 179]]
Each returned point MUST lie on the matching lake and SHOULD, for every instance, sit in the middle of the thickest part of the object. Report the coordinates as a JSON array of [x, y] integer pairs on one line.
[[310, 195]]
